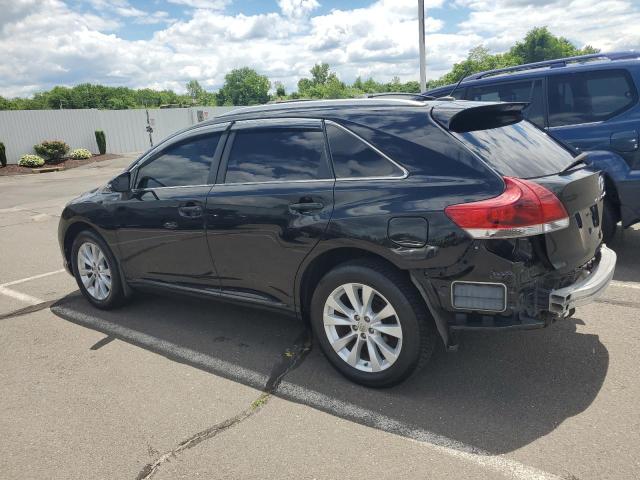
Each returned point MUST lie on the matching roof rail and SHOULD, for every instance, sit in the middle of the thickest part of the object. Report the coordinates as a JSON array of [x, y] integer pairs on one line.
[[412, 96], [559, 62]]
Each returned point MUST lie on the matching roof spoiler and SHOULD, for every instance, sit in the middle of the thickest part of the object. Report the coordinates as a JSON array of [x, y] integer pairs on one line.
[[460, 117]]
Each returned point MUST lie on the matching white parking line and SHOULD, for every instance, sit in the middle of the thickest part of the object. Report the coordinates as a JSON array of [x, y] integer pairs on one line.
[[616, 283], [23, 297], [35, 277], [497, 463]]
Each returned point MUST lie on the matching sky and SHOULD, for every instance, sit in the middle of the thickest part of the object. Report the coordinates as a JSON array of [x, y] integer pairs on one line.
[[165, 43]]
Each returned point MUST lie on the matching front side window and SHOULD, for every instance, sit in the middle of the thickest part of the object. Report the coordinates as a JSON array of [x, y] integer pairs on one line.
[[181, 164], [352, 158], [277, 154], [526, 91], [589, 96]]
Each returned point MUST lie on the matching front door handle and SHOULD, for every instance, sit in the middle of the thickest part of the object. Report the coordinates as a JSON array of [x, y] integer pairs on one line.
[[305, 206], [190, 211]]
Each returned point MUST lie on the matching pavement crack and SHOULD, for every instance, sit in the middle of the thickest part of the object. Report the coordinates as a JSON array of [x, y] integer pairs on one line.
[[290, 359]]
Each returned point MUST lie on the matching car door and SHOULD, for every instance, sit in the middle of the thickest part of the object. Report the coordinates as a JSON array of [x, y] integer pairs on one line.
[[587, 111], [271, 204], [161, 222]]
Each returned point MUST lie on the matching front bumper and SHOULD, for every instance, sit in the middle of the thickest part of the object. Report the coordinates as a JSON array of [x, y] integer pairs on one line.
[[563, 300]]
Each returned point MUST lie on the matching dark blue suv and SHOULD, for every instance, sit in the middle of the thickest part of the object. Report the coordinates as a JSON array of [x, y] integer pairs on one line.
[[589, 102]]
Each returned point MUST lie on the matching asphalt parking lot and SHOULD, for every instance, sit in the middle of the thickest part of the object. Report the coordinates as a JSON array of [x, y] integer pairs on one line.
[[173, 388]]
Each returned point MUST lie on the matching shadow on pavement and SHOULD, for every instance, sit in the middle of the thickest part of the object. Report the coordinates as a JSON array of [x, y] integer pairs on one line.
[[626, 244], [501, 391]]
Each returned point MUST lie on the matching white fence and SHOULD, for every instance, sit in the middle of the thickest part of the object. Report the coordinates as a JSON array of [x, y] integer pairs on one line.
[[125, 130]]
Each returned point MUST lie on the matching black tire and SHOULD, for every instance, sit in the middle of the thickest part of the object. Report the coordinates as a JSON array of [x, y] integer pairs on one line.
[[115, 297], [609, 221], [418, 333]]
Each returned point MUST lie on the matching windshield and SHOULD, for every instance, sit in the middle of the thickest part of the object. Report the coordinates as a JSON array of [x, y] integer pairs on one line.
[[518, 150]]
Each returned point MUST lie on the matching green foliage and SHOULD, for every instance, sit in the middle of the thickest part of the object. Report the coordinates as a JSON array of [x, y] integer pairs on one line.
[[31, 161], [52, 150], [80, 154], [244, 86], [280, 91], [101, 140], [539, 44], [3, 155]]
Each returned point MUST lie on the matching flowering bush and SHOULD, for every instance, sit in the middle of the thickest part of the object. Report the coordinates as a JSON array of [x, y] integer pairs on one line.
[[52, 150], [80, 154], [31, 161]]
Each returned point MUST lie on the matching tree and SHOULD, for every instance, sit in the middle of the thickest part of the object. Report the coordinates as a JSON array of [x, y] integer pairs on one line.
[[320, 73], [539, 44], [280, 91], [244, 86], [195, 91]]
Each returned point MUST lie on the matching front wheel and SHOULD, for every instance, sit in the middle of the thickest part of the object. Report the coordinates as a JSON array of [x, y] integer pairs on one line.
[[96, 271], [371, 323]]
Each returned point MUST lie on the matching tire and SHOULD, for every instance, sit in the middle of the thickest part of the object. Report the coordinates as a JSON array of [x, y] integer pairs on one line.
[[105, 289], [376, 368], [609, 221]]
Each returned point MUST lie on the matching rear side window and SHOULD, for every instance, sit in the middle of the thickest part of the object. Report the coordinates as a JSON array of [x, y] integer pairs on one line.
[[277, 154], [518, 150], [182, 164], [589, 96], [353, 158], [527, 91]]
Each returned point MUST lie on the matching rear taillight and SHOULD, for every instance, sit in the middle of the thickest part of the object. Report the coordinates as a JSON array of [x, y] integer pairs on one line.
[[523, 209]]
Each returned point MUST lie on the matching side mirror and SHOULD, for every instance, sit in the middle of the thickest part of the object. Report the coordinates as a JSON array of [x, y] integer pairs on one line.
[[122, 183]]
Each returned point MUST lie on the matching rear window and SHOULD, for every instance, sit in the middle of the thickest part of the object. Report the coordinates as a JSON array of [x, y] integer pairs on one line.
[[518, 150]]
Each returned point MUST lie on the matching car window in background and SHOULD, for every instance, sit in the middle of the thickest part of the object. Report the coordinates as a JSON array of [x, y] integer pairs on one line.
[[352, 158], [589, 96], [518, 150], [277, 154], [525, 91], [182, 164]]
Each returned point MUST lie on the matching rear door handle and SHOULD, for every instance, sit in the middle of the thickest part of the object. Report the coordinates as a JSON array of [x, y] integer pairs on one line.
[[306, 206], [190, 211]]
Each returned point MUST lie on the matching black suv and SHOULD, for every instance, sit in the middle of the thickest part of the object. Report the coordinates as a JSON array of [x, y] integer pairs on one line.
[[385, 222]]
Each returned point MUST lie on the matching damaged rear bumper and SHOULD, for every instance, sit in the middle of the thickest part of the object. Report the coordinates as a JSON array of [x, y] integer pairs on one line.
[[564, 300]]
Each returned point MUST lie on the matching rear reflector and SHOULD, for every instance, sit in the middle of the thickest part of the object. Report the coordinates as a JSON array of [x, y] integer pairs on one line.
[[488, 297], [523, 209]]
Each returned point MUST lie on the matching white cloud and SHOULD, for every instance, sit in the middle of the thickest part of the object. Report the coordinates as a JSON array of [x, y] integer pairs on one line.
[[47, 43], [203, 4], [297, 8]]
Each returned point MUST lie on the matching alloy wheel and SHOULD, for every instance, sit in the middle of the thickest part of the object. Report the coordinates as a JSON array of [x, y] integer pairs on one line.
[[362, 327], [94, 270]]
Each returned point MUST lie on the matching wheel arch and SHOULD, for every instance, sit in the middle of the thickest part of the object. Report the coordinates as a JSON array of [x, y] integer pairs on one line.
[[71, 233]]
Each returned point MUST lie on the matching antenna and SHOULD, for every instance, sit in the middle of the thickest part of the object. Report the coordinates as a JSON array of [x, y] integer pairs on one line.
[[457, 85]]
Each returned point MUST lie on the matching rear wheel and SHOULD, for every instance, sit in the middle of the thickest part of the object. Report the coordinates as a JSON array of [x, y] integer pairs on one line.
[[609, 221], [371, 323], [96, 271]]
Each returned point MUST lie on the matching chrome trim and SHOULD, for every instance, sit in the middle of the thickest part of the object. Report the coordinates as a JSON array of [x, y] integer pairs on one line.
[[136, 190], [278, 181], [481, 283], [563, 300], [375, 149]]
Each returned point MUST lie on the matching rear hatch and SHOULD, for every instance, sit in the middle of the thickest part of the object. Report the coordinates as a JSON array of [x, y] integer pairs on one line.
[[497, 134]]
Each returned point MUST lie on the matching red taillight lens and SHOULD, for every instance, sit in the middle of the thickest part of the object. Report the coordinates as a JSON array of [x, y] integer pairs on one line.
[[523, 209]]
